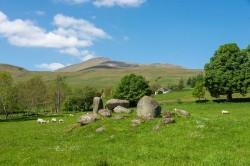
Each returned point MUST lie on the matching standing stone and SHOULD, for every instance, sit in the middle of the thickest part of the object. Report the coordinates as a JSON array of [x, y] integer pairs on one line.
[[97, 104], [148, 108], [112, 103]]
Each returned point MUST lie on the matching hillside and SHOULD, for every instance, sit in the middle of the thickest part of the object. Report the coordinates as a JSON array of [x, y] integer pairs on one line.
[[13, 69], [103, 72], [105, 63]]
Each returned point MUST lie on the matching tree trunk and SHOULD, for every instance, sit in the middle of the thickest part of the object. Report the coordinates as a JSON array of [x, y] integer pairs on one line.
[[6, 112], [229, 97]]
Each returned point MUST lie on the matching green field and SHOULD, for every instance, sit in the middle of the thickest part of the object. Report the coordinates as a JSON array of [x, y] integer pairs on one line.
[[205, 138]]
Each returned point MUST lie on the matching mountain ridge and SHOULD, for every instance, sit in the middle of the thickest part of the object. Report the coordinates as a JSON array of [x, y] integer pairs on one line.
[[106, 63]]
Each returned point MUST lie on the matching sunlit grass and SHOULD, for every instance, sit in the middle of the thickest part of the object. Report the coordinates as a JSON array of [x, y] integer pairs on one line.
[[205, 138]]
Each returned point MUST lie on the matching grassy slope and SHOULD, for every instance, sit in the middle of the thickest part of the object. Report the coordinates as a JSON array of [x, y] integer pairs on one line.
[[205, 138], [102, 78]]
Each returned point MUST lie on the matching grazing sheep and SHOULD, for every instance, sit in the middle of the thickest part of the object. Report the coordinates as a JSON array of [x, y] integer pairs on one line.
[[71, 115], [224, 112], [39, 120], [53, 120], [60, 120]]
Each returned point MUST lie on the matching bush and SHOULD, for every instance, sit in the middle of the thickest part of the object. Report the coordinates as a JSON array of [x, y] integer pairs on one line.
[[81, 100], [132, 88]]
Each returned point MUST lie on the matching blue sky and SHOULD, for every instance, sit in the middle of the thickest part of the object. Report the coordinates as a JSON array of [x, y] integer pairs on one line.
[[49, 34]]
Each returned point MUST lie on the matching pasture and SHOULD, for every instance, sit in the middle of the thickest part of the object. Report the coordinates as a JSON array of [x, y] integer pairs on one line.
[[205, 138]]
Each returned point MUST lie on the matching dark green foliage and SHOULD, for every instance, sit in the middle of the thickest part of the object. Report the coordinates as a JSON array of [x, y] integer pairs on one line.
[[81, 100], [132, 88], [199, 90], [70, 104], [228, 71], [181, 84], [191, 81]]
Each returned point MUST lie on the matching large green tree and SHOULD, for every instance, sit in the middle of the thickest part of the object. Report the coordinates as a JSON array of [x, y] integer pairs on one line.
[[7, 94], [32, 94], [132, 88], [228, 71]]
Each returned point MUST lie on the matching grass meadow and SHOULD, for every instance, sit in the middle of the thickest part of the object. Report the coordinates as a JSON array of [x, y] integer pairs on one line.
[[205, 138]]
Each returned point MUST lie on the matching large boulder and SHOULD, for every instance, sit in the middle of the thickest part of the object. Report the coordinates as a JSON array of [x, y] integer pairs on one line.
[[88, 118], [112, 103], [148, 108], [105, 112], [97, 104], [120, 109]]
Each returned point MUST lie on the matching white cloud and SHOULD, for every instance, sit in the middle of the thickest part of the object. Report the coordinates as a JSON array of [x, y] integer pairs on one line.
[[40, 13], [122, 3], [83, 55], [51, 66], [70, 35]]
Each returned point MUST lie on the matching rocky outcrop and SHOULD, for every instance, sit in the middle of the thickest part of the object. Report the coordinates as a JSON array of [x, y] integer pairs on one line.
[[97, 104], [112, 103], [148, 108]]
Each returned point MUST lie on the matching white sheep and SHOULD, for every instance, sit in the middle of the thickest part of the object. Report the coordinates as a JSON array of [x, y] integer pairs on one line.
[[53, 120], [224, 112], [71, 115], [60, 120], [39, 120]]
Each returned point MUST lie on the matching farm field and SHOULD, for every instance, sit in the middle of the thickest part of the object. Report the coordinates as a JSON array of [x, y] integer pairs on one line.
[[205, 138]]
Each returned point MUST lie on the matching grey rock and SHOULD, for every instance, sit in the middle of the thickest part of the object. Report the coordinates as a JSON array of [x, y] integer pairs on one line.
[[88, 118], [112, 103], [97, 104], [148, 108], [136, 122], [105, 112], [182, 112], [168, 120], [157, 127], [120, 109], [100, 129], [168, 114]]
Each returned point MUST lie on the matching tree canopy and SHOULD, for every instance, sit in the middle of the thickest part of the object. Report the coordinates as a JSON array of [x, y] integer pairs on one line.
[[228, 71], [132, 88]]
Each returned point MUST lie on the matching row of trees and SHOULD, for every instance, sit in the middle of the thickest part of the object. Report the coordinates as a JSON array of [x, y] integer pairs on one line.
[[34, 94]]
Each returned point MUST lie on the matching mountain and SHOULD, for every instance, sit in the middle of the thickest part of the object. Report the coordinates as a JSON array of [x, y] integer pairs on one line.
[[103, 72], [12, 69], [105, 63]]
